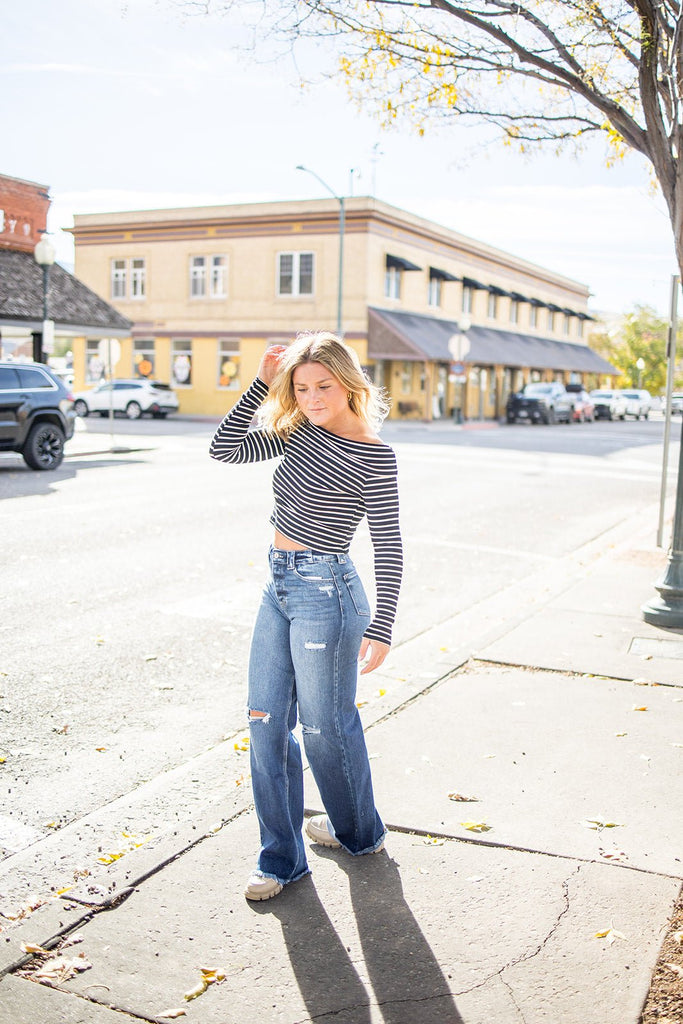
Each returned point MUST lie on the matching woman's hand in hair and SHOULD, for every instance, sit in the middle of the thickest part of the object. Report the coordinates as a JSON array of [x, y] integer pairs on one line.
[[373, 653], [270, 363]]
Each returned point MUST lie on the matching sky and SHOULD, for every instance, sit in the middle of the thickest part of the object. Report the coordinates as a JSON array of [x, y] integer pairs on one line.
[[133, 104]]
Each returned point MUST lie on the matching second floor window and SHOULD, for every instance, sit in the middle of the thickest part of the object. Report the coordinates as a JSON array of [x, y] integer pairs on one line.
[[514, 311], [467, 298], [533, 316], [295, 273], [128, 278], [434, 294], [208, 277], [492, 306], [392, 283]]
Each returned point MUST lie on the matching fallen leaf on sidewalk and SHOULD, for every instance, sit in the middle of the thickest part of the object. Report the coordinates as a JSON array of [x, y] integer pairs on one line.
[[242, 744], [361, 703], [599, 823], [610, 934], [621, 734], [434, 841], [31, 947], [172, 1014], [209, 977], [379, 693], [131, 843], [638, 707], [614, 854], [476, 826], [460, 799], [59, 970]]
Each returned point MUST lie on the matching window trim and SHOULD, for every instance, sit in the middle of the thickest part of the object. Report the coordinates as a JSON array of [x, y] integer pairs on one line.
[[296, 292]]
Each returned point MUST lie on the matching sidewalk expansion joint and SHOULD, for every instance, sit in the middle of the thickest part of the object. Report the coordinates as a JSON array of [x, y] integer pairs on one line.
[[477, 659]]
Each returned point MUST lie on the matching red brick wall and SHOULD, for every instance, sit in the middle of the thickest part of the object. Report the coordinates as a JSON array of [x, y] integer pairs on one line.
[[23, 213]]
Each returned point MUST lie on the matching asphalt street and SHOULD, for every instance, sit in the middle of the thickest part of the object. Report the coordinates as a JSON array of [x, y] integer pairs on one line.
[[129, 582]]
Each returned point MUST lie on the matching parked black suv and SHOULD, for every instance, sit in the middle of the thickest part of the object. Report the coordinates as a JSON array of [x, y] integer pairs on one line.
[[541, 402], [36, 414]]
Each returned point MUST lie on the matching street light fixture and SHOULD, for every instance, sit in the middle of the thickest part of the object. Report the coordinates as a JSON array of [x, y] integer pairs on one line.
[[45, 255], [640, 366], [340, 279]]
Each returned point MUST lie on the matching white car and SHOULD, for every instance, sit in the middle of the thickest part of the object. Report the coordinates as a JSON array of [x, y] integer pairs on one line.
[[610, 404], [134, 397], [638, 403]]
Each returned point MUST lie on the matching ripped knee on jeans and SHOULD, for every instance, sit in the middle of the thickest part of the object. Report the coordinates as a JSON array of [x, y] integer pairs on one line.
[[258, 716]]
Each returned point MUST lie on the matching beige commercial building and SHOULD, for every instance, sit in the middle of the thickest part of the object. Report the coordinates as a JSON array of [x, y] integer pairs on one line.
[[446, 324]]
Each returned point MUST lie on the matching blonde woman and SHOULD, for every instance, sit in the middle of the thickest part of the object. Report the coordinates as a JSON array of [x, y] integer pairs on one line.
[[320, 413]]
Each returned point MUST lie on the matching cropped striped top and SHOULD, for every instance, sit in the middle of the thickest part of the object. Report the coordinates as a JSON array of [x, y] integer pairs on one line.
[[323, 487]]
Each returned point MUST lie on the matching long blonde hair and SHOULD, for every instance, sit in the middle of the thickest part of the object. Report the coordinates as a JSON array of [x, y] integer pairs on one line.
[[280, 412]]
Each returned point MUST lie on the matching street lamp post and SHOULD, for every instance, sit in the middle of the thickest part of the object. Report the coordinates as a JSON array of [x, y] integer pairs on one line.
[[640, 366], [45, 255], [342, 219]]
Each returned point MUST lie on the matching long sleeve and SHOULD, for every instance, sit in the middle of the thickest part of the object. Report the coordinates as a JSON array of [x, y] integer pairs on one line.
[[381, 507], [233, 441]]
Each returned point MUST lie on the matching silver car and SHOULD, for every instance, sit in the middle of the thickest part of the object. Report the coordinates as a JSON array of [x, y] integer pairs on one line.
[[132, 397], [610, 404], [638, 403]]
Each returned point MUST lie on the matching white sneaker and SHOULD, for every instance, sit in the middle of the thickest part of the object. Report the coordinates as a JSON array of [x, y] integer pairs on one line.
[[318, 829], [259, 888]]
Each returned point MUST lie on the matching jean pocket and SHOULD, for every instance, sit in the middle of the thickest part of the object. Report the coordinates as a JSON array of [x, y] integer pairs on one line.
[[313, 572], [357, 593]]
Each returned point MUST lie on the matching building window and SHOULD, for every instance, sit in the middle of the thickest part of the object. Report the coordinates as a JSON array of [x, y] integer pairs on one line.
[[137, 279], [94, 367], [181, 364], [406, 378], [492, 306], [514, 311], [295, 273], [565, 324], [392, 283], [229, 364], [467, 298], [118, 279], [533, 316], [579, 328], [551, 320], [198, 277], [434, 292], [218, 282], [144, 361]]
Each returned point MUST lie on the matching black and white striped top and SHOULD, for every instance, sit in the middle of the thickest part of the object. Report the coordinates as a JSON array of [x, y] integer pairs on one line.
[[323, 487]]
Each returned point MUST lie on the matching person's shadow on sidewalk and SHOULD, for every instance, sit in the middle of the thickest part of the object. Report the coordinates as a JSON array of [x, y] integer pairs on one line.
[[408, 984]]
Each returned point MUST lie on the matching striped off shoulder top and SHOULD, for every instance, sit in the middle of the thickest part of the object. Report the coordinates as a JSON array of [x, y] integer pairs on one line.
[[323, 487]]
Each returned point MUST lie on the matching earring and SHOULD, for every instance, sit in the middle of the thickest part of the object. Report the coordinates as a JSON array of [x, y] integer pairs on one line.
[[349, 396]]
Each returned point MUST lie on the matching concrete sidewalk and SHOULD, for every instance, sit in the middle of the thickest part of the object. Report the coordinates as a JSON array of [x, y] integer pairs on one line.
[[544, 897]]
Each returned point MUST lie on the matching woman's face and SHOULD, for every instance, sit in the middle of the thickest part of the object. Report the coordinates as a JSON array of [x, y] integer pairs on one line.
[[321, 396]]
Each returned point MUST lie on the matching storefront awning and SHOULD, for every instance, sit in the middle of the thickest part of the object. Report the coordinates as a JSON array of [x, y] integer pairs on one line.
[[72, 305], [442, 275], [413, 336]]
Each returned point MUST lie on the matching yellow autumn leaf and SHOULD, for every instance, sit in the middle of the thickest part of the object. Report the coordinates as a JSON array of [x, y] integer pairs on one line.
[[242, 744], [31, 947], [459, 798], [434, 841], [2, 760], [198, 990], [361, 703], [379, 693], [599, 823], [639, 707], [476, 826]]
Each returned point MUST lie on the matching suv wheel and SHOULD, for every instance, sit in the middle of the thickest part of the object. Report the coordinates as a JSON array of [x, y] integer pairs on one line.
[[133, 411], [44, 448], [80, 408]]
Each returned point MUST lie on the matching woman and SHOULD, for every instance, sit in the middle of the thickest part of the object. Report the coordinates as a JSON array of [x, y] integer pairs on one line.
[[319, 412]]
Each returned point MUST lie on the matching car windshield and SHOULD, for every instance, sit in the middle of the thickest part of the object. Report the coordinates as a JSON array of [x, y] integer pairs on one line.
[[601, 394], [538, 389]]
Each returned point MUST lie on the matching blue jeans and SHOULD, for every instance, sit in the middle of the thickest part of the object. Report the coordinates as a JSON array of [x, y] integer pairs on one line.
[[304, 656]]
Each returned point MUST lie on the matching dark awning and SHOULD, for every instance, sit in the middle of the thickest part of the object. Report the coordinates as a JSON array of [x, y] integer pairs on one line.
[[414, 336], [400, 264], [469, 282], [72, 305], [442, 275], [495, 290], [518, 298]]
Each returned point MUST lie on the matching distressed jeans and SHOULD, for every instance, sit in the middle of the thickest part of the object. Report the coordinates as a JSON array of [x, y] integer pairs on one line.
[[304, 660]]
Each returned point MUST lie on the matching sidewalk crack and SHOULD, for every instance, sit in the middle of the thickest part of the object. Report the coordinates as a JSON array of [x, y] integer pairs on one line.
[[530, 954]]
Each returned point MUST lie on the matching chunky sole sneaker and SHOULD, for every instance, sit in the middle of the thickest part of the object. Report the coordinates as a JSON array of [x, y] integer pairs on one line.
[[259, 888], [318, 829]]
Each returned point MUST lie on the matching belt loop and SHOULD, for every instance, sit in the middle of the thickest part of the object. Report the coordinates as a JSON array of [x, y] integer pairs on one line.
[[342, 558], [291, 562]]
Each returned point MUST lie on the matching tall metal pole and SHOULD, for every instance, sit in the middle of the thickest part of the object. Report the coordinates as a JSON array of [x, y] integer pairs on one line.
[[342, 227], [670, 371], [667, 609]]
